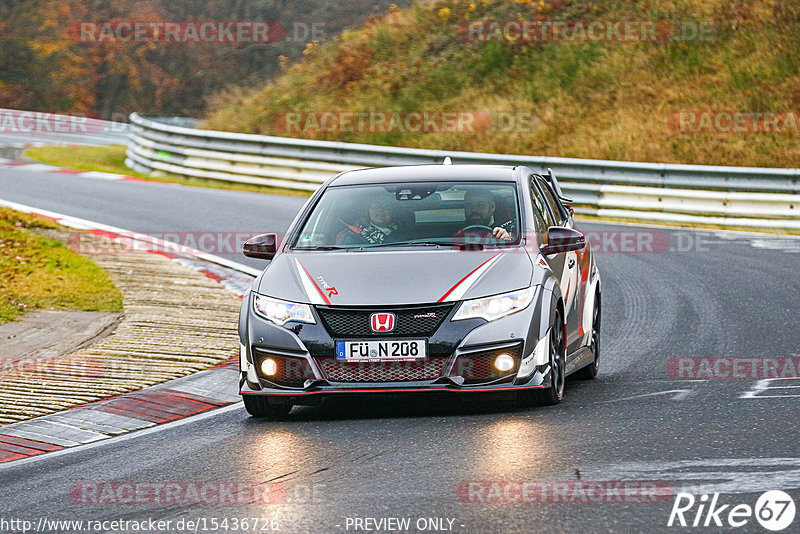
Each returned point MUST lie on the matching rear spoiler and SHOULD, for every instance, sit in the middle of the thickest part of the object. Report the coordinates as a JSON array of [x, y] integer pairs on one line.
[[550, 177]]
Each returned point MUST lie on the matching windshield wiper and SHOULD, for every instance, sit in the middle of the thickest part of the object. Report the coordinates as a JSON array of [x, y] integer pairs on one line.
[[321, 247], [413, 244]]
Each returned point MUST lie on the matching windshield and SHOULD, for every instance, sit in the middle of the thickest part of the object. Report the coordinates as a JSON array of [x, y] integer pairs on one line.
[[423, 214]]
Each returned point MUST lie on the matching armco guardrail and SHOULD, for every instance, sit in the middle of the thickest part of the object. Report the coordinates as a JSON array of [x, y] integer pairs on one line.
[[694, 194]]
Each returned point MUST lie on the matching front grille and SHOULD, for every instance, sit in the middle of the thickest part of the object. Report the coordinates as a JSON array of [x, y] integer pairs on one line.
[[292, 372], [478, 367], [342, 371], [410, 321]]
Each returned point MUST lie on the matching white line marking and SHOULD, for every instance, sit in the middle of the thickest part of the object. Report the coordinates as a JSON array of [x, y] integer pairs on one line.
[[679, 394], [723, 475], [83, 224], [765, 386]]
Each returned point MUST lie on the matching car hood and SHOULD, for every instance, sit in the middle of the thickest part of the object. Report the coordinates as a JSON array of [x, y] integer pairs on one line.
[[363, 278]]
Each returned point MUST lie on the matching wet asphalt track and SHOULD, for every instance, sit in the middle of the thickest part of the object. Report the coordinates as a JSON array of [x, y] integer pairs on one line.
[[732, 295]]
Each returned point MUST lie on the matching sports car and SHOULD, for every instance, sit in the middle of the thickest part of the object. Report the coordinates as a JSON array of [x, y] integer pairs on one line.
[[447, 279]]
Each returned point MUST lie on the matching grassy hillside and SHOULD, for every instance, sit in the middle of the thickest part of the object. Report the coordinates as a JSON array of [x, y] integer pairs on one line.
[[589, 99]]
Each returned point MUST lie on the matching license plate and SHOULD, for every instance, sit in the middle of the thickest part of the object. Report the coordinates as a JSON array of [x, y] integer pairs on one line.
[[381, 350]]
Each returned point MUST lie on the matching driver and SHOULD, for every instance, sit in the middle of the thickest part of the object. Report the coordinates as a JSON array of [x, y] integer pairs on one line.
[[479, 206]]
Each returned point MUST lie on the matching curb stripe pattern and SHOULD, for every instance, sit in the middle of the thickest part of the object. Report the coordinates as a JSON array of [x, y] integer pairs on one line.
[[170, 401], [43, 167], [125, 413]]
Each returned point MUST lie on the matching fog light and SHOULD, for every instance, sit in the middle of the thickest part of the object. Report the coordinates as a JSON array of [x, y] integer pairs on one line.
[[269, 367], [504, 362]]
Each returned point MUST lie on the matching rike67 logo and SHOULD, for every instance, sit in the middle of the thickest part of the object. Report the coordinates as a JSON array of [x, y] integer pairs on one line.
[[774, 510]]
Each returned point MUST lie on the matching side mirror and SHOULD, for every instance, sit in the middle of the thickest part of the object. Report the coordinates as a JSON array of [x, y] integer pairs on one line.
[[562, 239], [263, 247]]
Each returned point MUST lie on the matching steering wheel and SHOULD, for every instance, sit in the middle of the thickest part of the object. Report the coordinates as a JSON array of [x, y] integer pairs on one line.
[[477, 227]]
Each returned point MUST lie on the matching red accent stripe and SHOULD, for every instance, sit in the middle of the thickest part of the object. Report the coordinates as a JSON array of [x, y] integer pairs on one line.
[[393, 390], [586, 267], [459, 282], [328, 302]]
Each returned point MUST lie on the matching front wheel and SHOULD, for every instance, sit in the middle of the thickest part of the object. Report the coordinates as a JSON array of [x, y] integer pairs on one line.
[[554, 393], [259, 406]]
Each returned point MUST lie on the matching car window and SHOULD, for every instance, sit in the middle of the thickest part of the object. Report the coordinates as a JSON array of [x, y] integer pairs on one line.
[[550, 201], [539, 202], [559, 209], [542, 217], [446, 213]]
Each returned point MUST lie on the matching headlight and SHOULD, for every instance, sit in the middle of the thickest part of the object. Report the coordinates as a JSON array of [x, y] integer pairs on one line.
[[491, 308], [280, 311]]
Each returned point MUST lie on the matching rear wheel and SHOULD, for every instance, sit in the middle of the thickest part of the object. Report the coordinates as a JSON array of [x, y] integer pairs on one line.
[[259, 406], [554, 393], [590, 371]]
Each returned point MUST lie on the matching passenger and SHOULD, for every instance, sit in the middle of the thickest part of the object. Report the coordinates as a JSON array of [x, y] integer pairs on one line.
[[376, 225]]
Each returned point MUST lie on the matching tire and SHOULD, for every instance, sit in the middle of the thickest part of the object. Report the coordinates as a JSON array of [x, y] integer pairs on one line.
[[590, 371], [553, 394], [259, 406]]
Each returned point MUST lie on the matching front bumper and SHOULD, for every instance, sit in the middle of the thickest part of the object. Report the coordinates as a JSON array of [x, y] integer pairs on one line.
[[321, 387], [310, 348]]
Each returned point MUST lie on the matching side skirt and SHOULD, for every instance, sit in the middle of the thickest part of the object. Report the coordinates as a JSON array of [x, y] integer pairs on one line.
[[579, 359]]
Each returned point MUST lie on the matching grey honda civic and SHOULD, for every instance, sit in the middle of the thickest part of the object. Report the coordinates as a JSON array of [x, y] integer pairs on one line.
[[426, 279]]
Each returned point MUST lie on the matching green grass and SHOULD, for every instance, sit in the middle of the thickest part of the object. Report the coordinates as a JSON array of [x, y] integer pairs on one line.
[[84, 158], [38, 272], [604, 100], [112, 159]]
